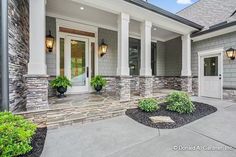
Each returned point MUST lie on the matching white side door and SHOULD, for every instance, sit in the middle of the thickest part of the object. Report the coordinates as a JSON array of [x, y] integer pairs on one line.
[[77, 63], [211, 76]]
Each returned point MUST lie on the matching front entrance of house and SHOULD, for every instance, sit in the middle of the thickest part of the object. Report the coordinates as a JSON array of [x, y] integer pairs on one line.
[[76, 54], [77, 63], [210, 83]]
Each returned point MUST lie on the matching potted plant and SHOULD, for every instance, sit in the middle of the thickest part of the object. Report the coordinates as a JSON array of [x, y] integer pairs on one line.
[[61, 83], [98, 82]]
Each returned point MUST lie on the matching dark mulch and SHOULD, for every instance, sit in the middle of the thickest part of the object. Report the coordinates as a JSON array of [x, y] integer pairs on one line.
[[202, 110], [37, 143]]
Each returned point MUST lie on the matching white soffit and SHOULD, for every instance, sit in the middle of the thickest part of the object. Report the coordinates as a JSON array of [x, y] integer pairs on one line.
[[69, 10], [139, 14]]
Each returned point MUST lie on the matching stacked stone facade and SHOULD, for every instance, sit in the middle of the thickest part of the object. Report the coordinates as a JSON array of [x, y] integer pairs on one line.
[[123, 88], [146, 86], [186, 84], [111, 86], [18, 16], [37, 92], [195, 86]]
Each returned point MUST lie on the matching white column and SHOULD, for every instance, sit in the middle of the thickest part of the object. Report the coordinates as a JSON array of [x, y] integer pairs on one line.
[[146, 29], [123, 45], [37, 62], [186, 55]]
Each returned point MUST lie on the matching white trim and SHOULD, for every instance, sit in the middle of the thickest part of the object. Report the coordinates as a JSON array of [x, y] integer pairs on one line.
[[79, 21], [214, 34], [205, 53]]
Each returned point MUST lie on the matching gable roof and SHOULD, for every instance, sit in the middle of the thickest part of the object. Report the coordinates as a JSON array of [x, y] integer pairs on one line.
[[165, 13], [210, 12]]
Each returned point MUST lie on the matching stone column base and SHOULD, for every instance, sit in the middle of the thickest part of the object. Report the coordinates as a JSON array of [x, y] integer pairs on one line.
[[186, 84], [123, 88], [37, 92], [146, 86]]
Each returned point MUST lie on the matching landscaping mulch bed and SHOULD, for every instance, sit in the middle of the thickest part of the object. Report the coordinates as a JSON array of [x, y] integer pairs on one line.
[[202, 110], [37, 143]]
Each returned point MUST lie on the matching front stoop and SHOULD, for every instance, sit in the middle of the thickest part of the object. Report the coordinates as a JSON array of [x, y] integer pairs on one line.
[[58, 117]]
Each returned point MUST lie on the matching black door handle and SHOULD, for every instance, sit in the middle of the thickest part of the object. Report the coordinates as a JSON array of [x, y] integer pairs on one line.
[[87, 72]]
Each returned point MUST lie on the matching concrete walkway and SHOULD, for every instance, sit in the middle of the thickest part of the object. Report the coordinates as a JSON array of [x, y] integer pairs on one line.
[[214, 135]]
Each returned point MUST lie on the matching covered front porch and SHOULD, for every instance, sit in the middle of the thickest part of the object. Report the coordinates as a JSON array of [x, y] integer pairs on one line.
[[149, 49]]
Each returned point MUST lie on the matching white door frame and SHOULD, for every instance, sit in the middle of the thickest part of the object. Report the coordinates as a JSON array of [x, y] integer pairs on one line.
[[67, 58], [77, 26], [218, 51]]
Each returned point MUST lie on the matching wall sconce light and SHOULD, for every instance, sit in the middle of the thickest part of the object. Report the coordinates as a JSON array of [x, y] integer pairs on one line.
[[49, 42], [231, 53], [103, 48]]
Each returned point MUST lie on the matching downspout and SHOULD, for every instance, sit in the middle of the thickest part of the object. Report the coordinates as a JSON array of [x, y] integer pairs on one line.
[[4, 106]]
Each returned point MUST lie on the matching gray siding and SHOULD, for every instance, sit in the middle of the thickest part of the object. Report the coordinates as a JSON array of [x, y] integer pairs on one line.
[[107, 64], [173, 57], [51, 57], [224, 41], [160, 64]]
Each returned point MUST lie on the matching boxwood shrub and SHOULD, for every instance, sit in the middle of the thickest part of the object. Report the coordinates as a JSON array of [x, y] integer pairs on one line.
[[15, 135], [148, 105], [180, 102]]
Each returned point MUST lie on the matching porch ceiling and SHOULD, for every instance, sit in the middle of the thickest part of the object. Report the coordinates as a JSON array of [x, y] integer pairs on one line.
[[70, 10]]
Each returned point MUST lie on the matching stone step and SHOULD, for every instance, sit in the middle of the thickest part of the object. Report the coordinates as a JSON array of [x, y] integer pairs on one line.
[[60, 123], [55, 117]]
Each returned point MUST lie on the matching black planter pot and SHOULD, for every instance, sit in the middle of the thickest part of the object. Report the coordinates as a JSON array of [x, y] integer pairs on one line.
[[98, 88], [61, 91]]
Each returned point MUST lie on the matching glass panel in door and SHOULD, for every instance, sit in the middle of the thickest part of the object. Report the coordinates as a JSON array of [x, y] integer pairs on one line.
[[78, 63], [211, 66]]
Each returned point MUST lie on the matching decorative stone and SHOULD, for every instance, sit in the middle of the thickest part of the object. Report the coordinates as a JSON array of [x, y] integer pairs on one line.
[[111, 86], [146, 86], [195, 86], [186, 84], [37, 92], [18, 44], [161, 119], [51, 91], [123, 88]]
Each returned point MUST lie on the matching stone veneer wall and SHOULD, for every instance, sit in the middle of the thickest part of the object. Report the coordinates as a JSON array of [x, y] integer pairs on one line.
[[145, 86], [18, 15], [37, 92]]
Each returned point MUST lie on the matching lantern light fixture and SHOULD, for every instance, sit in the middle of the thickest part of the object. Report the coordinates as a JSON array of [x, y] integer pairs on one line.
[[49, 41], [231, 53], [103, 48]]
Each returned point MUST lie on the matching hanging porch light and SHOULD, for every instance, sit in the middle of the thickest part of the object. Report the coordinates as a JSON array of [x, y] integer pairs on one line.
[[103, 48], [231, 53], [49, 42]]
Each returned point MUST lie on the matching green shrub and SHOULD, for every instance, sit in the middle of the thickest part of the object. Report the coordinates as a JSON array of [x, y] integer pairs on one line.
[[148, 105], [98, 81], [15, 135], [180, 102], [61, 81]]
